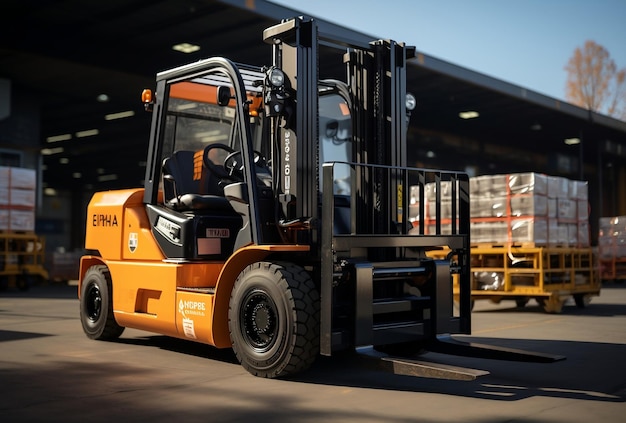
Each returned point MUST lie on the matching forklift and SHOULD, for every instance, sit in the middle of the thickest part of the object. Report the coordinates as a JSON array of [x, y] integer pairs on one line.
[[274, 219]]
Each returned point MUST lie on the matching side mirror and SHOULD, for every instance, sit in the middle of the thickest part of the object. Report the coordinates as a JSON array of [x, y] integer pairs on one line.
[[223, 95]]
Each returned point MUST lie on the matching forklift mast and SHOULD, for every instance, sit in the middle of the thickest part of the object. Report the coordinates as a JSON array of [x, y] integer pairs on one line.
[[378, 241]]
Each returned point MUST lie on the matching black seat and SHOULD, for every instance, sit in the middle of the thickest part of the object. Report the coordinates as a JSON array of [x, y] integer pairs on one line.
[[188, 185]]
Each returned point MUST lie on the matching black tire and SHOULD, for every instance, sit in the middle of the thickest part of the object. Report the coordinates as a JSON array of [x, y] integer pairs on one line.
[[273, 319], [23, 282], [96, 305], [582, 300], [521, 302]]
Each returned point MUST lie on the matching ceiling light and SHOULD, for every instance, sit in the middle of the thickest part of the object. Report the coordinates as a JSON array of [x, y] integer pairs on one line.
[[57, 138], [572, 141], [470, 114], [102, 98], [105, 178], [186, 106], [535, 127], [186, 47], [50, 191], [119, 115], [76, 175], [64, 160], [49, 151], [87, 133]]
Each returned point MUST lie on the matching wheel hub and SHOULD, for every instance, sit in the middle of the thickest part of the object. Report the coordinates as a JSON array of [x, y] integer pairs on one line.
[[94, 303], [259, 320]]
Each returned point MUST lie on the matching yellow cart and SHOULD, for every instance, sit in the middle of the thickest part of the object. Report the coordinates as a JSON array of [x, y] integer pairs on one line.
[[550, 275], [21, 260]]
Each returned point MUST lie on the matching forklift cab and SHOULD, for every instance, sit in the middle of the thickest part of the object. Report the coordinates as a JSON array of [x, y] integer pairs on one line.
[[202, 198]]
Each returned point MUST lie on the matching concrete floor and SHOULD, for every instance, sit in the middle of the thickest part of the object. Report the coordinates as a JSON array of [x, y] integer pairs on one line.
[[50, 371]]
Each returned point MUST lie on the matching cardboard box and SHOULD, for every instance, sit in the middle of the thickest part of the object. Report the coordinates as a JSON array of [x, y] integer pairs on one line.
[[23, 178], [22, 220], [529, 205], [566, 210], [558, 187], [487, 206], [22, 197], [578, 190], [528, 183], [529, 230]]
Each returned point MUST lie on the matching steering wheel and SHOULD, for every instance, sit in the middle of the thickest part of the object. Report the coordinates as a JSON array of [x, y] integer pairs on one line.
[[234, 163], [217, 167]]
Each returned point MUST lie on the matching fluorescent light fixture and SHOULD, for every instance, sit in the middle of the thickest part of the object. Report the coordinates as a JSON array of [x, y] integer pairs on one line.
[[186, 106], [214, 138], [50, 151], [77, 175], [186, 47], [57, 138], [119, 115], [572, 141], [105, 178], [470, 114], [102, 98], [64, 160], [50, 191], [87, 133]]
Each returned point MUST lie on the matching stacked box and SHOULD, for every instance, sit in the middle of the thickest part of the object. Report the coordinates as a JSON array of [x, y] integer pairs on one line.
[[492, 232], [516, 208], [536, 208], [529, 205], [612, 238], [526, 183], [529, 230], [17, 199]]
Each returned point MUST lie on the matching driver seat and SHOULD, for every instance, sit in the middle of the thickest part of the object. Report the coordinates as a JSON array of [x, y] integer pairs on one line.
[[188, 185]]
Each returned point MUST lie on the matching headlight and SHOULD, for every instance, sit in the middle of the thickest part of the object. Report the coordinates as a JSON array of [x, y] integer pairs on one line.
[[276, 77], [411, 102]]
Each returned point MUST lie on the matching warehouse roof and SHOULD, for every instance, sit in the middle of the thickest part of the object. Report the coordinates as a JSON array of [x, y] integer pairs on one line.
[[61, 56]]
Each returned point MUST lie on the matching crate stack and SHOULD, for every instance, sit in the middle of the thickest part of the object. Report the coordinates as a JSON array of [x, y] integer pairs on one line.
[[529, 235], [529, 208], [17, 199], [612, 247], [515, 209]]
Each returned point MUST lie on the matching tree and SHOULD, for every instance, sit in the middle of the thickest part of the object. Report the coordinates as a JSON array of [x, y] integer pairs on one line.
[[594, 82]]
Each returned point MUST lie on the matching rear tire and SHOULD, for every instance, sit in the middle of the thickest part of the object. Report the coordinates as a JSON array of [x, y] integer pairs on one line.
[[582, 300], [273, 319], [96, 305], [521, 302]]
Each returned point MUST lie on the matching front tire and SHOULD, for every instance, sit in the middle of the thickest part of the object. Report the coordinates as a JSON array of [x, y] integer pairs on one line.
[[273, 319], [96, 305]]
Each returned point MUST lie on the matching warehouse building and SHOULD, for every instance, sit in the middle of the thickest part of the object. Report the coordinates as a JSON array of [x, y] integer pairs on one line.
[[70, 84]]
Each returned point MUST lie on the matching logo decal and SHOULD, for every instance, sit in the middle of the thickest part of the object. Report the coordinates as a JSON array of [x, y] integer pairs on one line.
[[133, 240]]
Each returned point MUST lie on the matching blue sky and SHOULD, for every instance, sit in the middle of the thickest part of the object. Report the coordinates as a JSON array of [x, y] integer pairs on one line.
[[523, 42]]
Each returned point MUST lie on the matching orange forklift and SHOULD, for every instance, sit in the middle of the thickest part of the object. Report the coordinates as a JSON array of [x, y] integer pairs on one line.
[[274, 218]]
